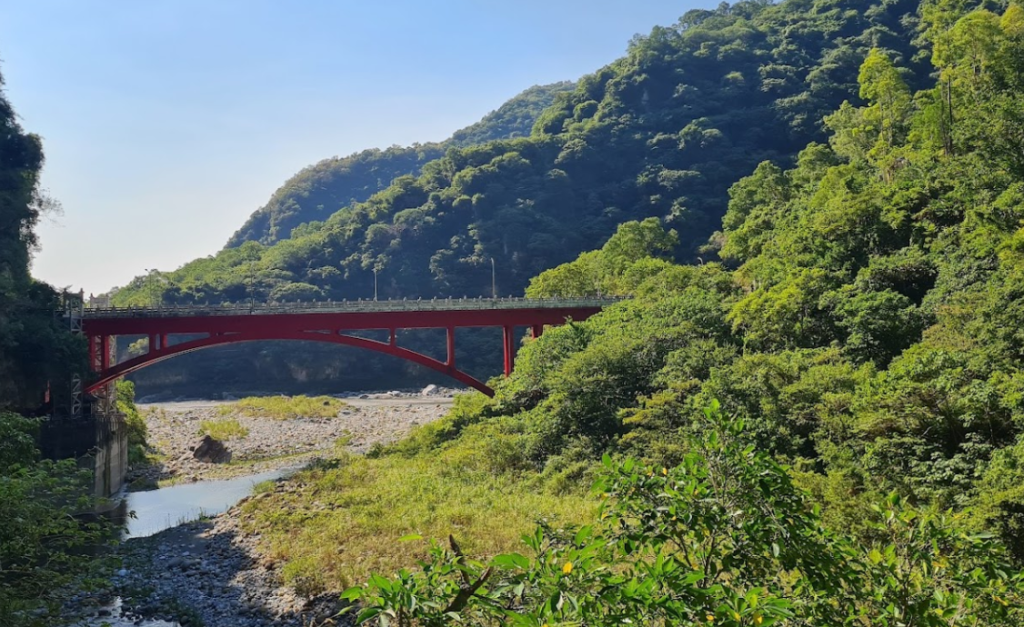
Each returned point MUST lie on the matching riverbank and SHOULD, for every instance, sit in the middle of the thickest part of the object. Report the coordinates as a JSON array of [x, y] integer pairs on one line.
[[209, 572], [268, 443]]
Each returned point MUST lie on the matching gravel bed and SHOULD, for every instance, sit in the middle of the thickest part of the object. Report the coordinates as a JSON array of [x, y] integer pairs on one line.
[[270, 443], [208, 572]]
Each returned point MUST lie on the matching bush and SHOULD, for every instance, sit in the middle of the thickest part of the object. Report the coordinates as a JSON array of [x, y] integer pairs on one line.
[[725, 539], [222, 429], [44, 546]]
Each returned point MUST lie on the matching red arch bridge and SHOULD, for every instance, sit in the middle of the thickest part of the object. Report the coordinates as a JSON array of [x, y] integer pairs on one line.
[[331, 322]]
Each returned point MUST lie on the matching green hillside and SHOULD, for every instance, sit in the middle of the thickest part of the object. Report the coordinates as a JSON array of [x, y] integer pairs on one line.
[[663, 132], [321, 189], [827, 428]]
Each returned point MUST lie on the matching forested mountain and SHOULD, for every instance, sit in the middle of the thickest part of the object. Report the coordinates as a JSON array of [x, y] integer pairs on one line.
[[863, 328], [318, 191], [663, 131]]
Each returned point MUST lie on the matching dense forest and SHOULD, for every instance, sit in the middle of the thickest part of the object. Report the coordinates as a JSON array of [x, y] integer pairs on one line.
[[318, 191], [662, 132], [823, 427]]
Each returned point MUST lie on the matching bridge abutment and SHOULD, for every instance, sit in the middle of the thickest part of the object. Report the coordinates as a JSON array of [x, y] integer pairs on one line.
[[97, 441]]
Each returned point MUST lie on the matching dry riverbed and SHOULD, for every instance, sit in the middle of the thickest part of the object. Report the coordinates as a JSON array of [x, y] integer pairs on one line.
[[271, 443], [208, 572]]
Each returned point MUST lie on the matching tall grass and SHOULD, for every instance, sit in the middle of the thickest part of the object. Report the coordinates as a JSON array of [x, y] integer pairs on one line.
[[347, 515], [223, 429], [285, 407]]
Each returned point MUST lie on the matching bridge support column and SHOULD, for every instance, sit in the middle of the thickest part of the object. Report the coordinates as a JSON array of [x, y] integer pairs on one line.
[[153, 343], [537, 330], [509, 337], [104, 352], [163, 341], [450, 362]]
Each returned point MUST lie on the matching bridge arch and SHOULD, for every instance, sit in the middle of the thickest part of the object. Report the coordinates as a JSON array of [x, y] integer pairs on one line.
[[154, 356]]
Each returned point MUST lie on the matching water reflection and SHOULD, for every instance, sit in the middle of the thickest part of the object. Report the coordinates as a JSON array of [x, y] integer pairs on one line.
[[164, 508]]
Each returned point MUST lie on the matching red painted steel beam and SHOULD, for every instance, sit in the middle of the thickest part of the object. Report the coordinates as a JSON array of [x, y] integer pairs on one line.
[[353, 320], [318, 327], [151, 358]]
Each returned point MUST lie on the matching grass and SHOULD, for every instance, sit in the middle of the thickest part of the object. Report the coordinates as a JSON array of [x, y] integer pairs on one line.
[[285, 407], [222, 429], [344, 520]]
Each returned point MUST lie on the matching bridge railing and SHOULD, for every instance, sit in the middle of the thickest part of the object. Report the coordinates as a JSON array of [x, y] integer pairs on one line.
[[347, 306]]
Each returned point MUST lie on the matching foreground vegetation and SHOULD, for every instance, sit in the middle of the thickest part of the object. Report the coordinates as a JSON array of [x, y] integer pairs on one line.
[[862, 327], [44, 545]]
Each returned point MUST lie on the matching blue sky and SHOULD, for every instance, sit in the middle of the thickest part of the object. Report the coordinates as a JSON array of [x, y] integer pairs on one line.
[[166, 123]]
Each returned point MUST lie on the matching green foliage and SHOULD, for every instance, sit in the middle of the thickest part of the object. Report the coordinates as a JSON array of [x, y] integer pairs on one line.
[[363, 505], [724, 538], [312, 195], [223, 429], [285, 407], [138, 447], [44, 546]]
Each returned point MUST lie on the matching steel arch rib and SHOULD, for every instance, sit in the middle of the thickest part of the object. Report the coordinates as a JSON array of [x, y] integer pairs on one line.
[[153, 357]]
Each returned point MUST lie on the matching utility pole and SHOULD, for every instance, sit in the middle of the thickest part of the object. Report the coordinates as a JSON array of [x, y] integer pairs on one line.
[[494, 281], [252, 291]]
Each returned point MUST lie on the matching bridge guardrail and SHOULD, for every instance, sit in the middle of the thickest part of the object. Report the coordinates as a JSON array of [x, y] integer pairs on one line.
[[347, 306]]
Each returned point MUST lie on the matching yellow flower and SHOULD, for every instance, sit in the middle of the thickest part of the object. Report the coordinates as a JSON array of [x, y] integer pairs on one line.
[[736, 615], [711, 618], [758, 619], [567, 568], [664, 471]]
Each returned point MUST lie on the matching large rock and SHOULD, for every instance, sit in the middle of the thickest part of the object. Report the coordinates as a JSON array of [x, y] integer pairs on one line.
[[211, 451], [430, 390]]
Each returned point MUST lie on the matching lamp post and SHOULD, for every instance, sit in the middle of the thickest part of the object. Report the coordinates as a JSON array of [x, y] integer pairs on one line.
[[494, 281], [375, 283]]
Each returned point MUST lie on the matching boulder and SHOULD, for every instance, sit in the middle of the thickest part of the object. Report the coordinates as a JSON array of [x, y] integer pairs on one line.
[[430, 390], [211, 451]]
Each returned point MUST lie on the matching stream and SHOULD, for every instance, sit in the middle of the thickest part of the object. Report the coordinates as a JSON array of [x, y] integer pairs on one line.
[[156, 510]]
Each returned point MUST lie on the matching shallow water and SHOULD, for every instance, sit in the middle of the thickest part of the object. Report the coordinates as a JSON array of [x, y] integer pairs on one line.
[[156, 510]]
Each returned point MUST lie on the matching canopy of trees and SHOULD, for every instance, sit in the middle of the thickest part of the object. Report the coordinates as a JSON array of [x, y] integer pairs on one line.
[[318, 191]]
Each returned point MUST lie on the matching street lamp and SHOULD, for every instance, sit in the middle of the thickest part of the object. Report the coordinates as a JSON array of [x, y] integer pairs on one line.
[[375, 283], [494, 281]]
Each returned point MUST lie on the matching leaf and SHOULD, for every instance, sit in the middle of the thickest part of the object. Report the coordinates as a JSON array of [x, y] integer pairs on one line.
[[410, 538]]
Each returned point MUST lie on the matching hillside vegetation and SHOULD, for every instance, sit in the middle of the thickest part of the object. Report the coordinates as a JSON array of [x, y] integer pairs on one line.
[[825, 427], [318, 191], [662, 132]]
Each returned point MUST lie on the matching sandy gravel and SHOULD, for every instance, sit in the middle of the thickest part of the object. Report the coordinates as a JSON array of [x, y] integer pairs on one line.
[[271, 444]]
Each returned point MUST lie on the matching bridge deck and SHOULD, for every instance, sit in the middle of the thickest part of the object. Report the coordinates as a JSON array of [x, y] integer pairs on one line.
[[351, 306]]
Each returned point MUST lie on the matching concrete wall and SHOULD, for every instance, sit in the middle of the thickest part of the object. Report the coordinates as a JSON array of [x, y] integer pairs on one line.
[[99, 443]]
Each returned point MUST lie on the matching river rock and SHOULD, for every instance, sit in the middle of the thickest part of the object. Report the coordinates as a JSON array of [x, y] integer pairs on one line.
[[212, 451], [430, 390]]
